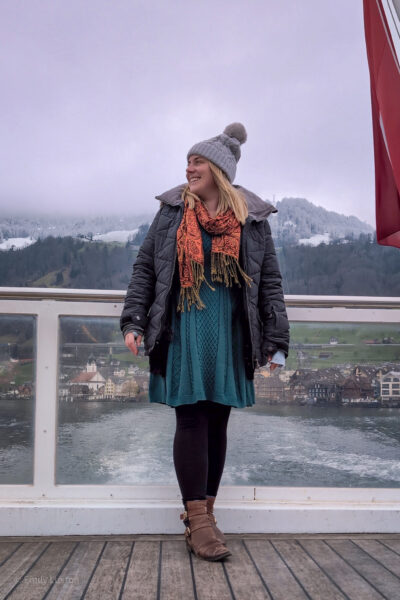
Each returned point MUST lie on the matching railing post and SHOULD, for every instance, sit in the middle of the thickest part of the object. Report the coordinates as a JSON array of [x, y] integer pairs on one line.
[[46, 398]]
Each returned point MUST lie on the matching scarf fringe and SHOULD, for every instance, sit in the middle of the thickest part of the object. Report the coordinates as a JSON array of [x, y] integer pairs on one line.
[[191, 295], [225, 269]]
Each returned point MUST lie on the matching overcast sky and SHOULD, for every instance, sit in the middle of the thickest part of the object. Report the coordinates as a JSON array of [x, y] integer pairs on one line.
[[100, 100]]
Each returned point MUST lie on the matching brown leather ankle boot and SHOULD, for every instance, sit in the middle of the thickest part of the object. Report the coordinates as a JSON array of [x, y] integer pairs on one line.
[[200, 536], [210, 511]]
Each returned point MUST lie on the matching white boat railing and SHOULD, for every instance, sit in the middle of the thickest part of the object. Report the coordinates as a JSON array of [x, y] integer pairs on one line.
[[47, 508]]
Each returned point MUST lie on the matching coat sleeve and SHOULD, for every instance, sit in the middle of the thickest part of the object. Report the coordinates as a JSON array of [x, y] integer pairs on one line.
[[271, 301], [140, 294]]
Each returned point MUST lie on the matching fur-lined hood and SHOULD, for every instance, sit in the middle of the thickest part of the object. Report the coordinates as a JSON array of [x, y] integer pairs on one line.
[[258, 209]]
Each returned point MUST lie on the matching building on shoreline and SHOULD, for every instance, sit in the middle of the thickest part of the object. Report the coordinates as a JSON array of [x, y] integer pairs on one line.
[[390, 388], [341, 386], [92, 385]]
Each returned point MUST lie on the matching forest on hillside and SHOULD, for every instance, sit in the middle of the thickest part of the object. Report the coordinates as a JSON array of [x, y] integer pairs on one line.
[[66, 262], [360, 267], [357, 268]]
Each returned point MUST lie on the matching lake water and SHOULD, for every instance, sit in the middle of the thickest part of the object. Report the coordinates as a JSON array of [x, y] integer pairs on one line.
[[112, 443]]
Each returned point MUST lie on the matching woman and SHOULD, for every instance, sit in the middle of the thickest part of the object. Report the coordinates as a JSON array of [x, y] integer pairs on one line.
[[206, 294]]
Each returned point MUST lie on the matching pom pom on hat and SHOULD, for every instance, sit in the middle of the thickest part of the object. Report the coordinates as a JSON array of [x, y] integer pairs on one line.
[[236, 130], [224, 149]]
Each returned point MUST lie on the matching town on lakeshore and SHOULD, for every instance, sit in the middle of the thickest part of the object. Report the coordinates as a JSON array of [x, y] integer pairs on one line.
[[329, 364], [347, 385]]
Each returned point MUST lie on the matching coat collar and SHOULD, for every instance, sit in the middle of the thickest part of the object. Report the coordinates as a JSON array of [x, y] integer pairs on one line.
[[258, 209]]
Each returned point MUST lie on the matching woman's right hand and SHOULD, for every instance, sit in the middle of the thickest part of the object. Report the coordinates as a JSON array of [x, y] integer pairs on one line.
[[132, 343]]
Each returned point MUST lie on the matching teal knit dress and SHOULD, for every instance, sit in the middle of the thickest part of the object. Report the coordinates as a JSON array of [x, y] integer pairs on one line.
[[205, 357]]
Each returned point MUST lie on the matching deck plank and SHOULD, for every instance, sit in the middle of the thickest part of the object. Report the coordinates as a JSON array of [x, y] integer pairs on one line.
[[108, 577], [210, 580], [6, 549], [376, 574], [314, 581], [354, 586], [142, 577], [386, 557], [357, 567], [39, 579], [18, 564], [242, 574], [392, 544], [166, 537], [74, 577], [278, 578], [176, 575]]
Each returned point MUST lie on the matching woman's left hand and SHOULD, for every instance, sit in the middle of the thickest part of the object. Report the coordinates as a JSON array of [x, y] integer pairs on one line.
[[272, 366]]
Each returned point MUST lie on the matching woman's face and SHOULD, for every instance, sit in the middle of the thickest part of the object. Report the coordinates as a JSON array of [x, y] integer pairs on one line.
[[199, 176]]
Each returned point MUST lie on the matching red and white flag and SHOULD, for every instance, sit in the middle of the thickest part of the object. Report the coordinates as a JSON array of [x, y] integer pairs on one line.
[[382, 34]]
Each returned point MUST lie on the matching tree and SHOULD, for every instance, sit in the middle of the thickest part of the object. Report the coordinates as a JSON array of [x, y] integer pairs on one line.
[[130, 388], [59, 278]]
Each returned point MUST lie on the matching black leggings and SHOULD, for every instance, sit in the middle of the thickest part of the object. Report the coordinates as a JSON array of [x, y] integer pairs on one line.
[[200, 448]]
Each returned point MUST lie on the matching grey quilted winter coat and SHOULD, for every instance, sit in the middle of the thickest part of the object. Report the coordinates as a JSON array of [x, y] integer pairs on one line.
[[146, 309]]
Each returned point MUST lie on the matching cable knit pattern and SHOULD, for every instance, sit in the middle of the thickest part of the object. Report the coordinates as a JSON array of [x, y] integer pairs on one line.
[[204, 357]]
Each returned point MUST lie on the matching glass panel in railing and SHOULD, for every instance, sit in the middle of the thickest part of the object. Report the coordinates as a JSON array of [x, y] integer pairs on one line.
[[108, 433], [17, 398], [330, 418]]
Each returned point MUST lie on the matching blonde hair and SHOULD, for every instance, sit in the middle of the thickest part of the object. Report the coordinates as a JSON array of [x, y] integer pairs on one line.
[[229, 197]]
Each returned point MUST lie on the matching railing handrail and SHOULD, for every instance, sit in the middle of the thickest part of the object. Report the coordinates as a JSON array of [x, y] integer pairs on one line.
[[298, 300]]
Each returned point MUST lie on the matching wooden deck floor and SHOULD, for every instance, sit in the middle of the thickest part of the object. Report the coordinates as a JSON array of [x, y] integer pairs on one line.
[[281, 567]]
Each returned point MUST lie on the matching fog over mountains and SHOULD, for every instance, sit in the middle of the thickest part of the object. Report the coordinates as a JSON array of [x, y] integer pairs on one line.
[[41, 226], [297, 221]]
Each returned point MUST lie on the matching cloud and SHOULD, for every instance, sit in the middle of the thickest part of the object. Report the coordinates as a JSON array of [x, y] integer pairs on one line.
[[102, 100]]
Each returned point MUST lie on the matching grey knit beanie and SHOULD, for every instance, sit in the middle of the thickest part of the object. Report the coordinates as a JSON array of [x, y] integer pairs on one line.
[[223, 150]]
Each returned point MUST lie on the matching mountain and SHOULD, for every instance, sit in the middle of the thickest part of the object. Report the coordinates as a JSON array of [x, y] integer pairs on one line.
[[299, 220]]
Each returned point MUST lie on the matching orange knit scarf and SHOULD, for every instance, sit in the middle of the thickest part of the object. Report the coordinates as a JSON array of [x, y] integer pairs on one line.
[[225, 246]]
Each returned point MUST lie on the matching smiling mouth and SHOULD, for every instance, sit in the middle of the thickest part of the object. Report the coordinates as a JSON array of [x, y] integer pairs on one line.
[[194, 179]]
